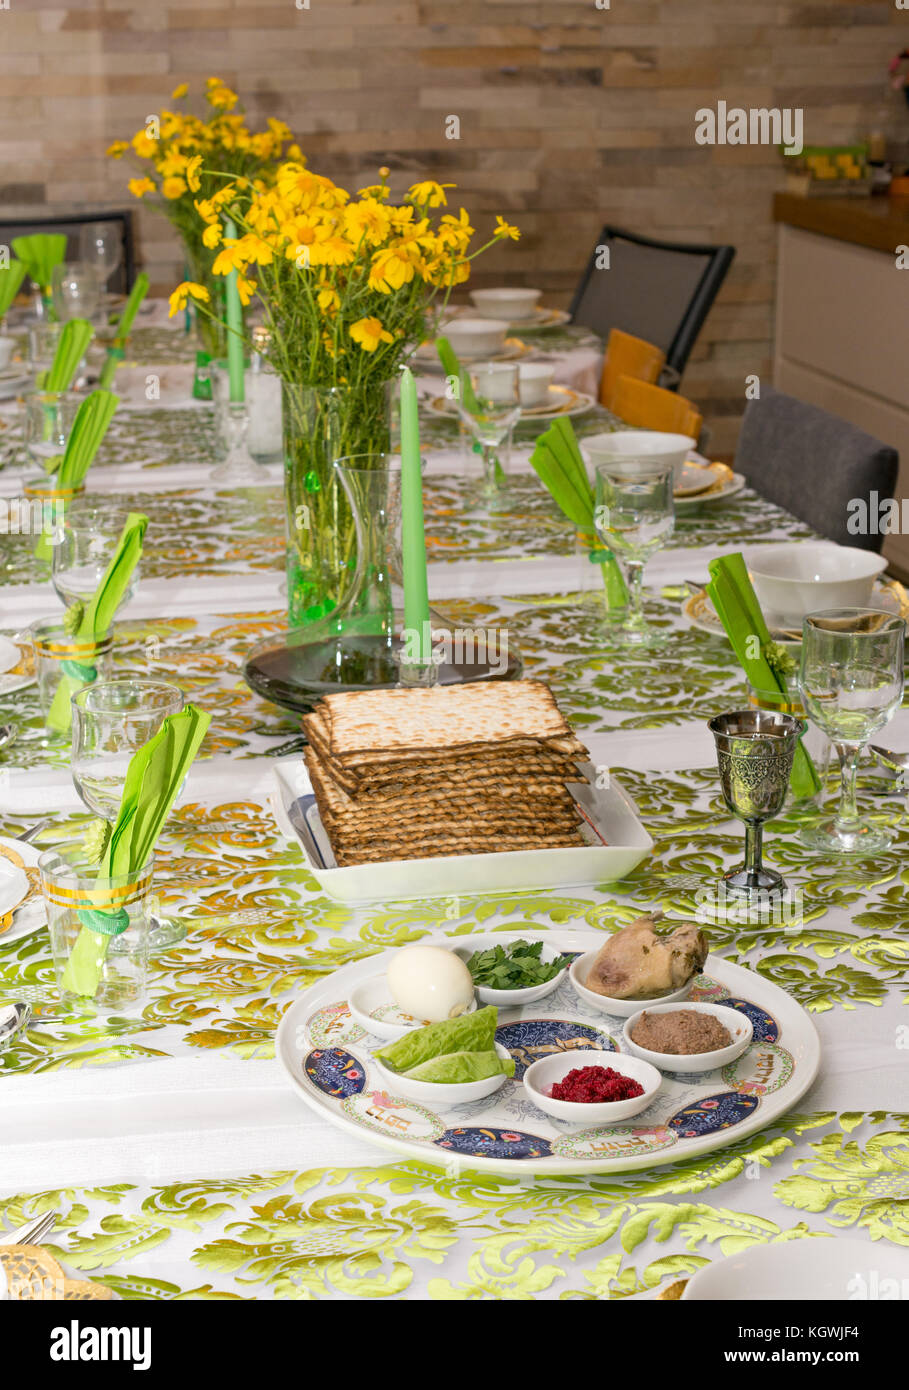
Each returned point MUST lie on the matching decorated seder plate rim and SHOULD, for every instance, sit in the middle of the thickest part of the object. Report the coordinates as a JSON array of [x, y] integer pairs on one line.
[[700, 613], [505, 1133]]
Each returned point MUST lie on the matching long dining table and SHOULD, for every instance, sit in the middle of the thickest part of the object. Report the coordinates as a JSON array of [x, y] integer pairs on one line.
[[180, 1161]]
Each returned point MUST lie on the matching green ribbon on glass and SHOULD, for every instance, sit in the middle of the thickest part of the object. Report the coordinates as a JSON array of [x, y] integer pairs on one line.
[[557, 461]]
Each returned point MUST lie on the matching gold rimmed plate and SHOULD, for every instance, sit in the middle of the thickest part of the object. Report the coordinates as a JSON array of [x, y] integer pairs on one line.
[[561, 400], [27, 912], [21, 673], [889, 595]]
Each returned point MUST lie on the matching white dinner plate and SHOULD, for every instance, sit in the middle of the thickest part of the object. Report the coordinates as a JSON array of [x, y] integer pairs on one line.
[[731, 488], [795, 1271], [10, 654], [888, 595], [561, 401], [616, 844], [698, 477], [21, 673], [540, 318], [29, 911], [427, 359], [327, 1057]]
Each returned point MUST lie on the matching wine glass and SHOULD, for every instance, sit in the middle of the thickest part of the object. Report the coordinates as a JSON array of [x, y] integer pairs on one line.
[[101, 246], [634, 516], [76, 291], [851, 681], [111, 721], [86, 547], [488, 401]]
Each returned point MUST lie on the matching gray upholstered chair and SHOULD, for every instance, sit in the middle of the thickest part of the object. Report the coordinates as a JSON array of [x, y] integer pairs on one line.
[[814, 465]]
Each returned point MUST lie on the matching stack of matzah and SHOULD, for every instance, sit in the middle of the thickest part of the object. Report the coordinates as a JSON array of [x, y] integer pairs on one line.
[[460, 769]]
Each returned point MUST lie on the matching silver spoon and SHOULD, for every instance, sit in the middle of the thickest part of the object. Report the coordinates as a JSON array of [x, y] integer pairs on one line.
[[13, 1017], [897, 762]]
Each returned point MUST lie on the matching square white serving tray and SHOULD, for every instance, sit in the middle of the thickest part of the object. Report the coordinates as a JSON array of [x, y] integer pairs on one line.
[[618, 843]]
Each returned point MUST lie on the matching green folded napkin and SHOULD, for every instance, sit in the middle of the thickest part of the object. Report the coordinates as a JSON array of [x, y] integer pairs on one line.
[[11, 277], [130, 309], [88, 622], [153, 780], [75, 336], [41, 253], [89, 428], [732, 594], [559, 464]]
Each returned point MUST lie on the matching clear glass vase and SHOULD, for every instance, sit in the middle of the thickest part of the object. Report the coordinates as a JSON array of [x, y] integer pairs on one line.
[[322, 425], [359, 644]]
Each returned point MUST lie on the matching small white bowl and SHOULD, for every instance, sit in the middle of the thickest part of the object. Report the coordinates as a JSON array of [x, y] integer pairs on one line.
[[512, 305], [534, 380], [476, 337], [440, 1093], [619, 1008], [738, 1024], [510, 998], [632, 451], [540, 1078], [371, 997], [793, 579]]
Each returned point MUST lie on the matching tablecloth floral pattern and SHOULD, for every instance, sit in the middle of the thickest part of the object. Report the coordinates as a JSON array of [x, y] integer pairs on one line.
[[259, 930]]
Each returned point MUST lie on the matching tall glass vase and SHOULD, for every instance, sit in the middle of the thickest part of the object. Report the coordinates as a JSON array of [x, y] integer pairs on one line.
[[322, 425], [211, 332]]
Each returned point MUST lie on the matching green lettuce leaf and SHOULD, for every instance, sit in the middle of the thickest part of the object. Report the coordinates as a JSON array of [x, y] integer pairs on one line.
[[466, 1033], [457, 1067]]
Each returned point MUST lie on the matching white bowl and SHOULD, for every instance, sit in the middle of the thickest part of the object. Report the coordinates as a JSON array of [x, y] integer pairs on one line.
[[507, 998], [738, 1024], [815, 1267], [633, 451], [373, 997], [543, 1075], [6, 351], [439, 1093], [476, 337], [534, 380], [512, 305], [619, 1008], [796, 578]]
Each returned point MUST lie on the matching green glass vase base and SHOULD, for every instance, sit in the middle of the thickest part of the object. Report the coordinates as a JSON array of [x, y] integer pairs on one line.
[[296, 671]]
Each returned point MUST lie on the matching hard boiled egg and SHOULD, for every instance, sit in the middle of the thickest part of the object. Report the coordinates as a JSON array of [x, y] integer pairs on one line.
[[430, 983]]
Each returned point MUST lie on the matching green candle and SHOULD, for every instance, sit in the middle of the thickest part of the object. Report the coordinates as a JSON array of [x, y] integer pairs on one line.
[[235, 354], [416, 592]]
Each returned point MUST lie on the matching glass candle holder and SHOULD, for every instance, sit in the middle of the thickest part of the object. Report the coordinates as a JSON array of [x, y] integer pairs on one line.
[[98, 929], [49, 417], [63, 666]]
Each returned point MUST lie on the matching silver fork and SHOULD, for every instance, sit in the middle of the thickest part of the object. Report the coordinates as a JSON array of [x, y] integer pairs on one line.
[[33, 1232]]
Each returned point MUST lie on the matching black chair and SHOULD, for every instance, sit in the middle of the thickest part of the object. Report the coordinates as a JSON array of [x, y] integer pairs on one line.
[[820, 468], [658, 290], [121, 282]]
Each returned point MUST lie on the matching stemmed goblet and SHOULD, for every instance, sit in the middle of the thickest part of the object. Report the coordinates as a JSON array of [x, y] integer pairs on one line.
[[755, 749], [111, 721], [634, 516], [489, 403], [851, 680]]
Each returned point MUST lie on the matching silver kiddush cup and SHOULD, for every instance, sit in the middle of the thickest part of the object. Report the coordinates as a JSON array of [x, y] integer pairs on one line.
[[755, 749]]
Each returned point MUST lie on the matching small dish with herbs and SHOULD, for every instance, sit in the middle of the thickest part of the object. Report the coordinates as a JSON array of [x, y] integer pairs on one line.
[[511, 970]]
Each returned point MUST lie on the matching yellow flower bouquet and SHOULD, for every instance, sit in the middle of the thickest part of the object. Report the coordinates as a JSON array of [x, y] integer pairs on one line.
[[174, 150], [349, 285]]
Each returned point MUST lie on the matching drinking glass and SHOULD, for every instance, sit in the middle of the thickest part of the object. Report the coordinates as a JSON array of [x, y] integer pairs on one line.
[[851, 681], [634, 517], [43, 338], [76, 291], [101, 246], [88, 540], [49, 417], [111, 721], [65, 664], [489, 403]]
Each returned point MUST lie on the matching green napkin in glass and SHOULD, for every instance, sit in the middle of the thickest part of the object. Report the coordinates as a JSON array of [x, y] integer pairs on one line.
[[130, 309], [41, 253], [89, 622], [89, 428], [732, 594], [75, 336], [11, 277], [153, 780], [559, 464]]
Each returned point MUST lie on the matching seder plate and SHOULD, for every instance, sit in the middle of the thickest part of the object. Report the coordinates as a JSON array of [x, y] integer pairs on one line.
[[327, 1057]]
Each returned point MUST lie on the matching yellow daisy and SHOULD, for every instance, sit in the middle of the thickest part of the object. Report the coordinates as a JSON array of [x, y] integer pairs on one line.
[[369, 333]]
